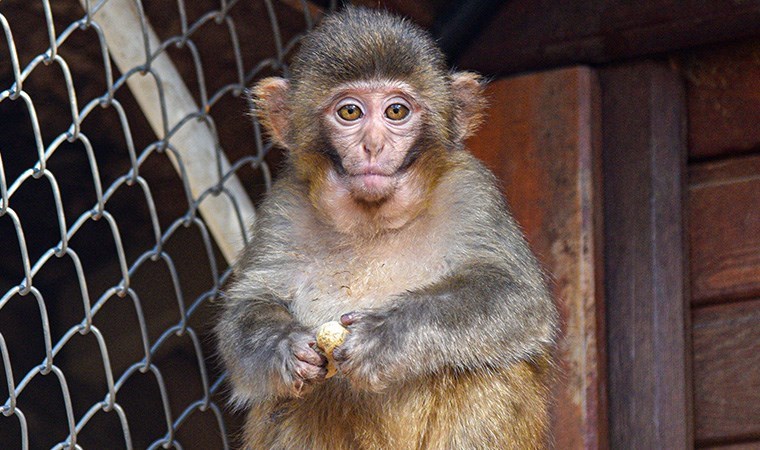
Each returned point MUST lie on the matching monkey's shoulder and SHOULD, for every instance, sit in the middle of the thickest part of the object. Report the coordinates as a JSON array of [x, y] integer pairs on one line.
[[470, 202], [472, 181]]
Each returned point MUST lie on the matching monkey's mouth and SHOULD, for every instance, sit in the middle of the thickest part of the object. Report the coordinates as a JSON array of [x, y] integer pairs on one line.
[[374, 178], [372, 186]]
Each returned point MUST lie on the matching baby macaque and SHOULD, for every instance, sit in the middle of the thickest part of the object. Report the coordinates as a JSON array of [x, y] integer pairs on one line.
[[383, 221]]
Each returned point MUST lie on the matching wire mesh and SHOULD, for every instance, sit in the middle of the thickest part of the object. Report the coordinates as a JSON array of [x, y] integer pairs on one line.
[[108, 272]]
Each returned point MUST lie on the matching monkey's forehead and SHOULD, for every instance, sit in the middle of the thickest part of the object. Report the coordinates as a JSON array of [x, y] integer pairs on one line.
[[360, 43], [385, 86]]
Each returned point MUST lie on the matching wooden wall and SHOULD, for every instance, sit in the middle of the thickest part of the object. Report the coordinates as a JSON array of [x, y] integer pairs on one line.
[[680, 121], [723, 229], [669, 263]]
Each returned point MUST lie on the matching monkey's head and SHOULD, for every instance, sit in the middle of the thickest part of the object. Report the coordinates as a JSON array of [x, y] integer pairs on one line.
[[370, 116]]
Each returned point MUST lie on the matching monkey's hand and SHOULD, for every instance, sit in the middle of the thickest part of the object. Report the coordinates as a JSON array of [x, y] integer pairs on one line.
[[301, 366], [368, 358]]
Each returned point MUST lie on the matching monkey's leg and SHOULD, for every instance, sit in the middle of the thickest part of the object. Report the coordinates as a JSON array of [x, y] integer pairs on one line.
[[505, 409], [330, 417]]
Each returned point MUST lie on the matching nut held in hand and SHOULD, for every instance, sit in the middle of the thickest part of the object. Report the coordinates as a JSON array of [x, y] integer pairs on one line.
[[329, 336]]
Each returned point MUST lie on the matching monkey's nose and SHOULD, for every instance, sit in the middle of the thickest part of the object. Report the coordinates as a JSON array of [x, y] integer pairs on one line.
[[372, 150]]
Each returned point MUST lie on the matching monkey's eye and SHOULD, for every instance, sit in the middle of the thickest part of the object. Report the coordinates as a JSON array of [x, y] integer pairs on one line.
[[350, 112], [396, 111]]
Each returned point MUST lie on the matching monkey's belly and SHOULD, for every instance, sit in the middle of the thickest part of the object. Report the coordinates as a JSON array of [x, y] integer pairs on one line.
[[505, 409]]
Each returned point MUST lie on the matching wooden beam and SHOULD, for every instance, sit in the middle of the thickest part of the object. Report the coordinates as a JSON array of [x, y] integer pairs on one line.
[[163, 96], [644, 156], [542, 139], [528, 35]]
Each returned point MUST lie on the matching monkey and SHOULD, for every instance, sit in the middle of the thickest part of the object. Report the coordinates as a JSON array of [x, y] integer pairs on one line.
[[383, 220]]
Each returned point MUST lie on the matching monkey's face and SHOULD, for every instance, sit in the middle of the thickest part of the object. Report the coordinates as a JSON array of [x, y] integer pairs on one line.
[[373, 128]]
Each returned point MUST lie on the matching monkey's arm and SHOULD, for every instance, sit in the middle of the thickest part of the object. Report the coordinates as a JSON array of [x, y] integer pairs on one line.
[[265, 349], [267, 353], [477, 318]]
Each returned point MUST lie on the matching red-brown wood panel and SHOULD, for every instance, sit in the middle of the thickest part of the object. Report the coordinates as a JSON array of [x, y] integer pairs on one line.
[[541, 139], [724, 229], [727, 373], [723, 91]]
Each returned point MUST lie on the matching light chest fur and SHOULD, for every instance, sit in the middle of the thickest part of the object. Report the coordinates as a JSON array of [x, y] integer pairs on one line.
[[339, 276]]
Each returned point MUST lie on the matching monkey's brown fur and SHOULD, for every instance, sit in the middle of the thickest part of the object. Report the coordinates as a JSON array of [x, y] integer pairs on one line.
[[499, 410], [452, 327]]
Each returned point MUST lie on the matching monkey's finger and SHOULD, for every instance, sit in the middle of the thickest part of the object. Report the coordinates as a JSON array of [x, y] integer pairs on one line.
[[349, 318], [320, 375], [309, 372], [310, 356]]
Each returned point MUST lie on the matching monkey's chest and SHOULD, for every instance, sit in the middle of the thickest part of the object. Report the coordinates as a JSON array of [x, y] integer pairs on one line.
[[330, 286]]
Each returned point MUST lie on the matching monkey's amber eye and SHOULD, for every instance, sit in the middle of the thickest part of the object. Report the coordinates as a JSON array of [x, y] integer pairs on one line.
[[350, 112], [396, 111]]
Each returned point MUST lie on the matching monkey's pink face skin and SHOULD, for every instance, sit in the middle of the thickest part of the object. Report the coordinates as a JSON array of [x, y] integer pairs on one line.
[[373, 126]]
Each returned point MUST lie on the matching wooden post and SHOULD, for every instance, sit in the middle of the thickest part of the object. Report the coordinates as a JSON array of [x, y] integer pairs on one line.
[[644, 154]]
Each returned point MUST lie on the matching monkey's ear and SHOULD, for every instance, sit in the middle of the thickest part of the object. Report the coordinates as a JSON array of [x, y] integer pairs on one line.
[[268, 99], [470, 103]]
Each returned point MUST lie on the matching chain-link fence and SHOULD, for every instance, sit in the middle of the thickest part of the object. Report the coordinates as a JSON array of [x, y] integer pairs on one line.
[[127, 165]]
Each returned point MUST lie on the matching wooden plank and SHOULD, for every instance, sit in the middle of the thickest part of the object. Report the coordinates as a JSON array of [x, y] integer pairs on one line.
[[647, 314], [751, 445], [542, 140], [724, 229], [723, 98], [528, 35], [726, 375]]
